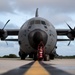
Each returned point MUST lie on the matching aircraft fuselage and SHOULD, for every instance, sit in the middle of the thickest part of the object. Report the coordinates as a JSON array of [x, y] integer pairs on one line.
[[34, 31]]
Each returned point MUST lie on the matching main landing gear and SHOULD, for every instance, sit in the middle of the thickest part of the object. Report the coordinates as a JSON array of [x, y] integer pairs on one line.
[[22, 55]]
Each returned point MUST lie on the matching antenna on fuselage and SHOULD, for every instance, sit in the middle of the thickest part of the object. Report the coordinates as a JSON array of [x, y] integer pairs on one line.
[[36, 14]]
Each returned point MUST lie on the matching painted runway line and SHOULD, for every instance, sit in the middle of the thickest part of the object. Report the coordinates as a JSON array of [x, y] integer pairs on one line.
[[37, 69], [29, 67]]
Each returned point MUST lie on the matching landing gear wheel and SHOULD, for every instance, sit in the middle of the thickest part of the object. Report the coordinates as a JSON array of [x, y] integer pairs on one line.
[[46, 58], [30, 55], [52, 56], [35, 56], [23, 56]]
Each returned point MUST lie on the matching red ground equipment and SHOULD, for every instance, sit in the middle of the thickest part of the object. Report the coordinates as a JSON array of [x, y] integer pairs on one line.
[[40, 52]]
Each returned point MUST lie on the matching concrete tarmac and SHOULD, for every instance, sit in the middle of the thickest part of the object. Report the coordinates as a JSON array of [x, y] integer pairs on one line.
[[22, 67]]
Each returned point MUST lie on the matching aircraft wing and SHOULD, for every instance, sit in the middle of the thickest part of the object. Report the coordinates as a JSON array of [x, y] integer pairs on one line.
[[11, 40], [61, 32], [64, 40], [12, 32], [8, 32], [70, 33]]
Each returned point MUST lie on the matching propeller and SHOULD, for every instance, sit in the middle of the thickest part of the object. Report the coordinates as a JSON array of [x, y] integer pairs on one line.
[[69, 26], [72, 32], [2, 31]]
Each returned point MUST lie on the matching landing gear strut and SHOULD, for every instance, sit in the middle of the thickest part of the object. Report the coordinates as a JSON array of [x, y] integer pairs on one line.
[[22, 55], [46, 58], [40, 51], [35, 56], [51, 56]]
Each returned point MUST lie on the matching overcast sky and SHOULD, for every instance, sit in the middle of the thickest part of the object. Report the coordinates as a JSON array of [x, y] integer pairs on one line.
[[56, 11]]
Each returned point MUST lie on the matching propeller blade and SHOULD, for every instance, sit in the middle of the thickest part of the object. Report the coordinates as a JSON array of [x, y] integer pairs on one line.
[[69, 27], [69, 43], [5, 24], [6, 42]]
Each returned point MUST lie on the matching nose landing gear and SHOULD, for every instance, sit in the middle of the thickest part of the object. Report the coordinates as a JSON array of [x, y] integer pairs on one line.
[[40, 51], [40, 54]]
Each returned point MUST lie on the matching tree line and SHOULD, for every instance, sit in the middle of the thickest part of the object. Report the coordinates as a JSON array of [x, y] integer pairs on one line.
[[9, 56], [65, 57], [15, 56]]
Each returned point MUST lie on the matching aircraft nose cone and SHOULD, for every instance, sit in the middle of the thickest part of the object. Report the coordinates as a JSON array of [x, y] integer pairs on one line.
[[36, 36]]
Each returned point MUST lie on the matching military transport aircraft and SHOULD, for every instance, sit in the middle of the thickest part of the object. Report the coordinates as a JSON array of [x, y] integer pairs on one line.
[[37, 38]]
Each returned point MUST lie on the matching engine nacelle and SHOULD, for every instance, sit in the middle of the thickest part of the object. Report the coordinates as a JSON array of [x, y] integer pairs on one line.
[[3, 35], [70, 36]]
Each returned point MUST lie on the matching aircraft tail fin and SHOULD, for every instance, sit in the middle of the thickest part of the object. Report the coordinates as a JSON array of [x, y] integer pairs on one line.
[[36, 14]]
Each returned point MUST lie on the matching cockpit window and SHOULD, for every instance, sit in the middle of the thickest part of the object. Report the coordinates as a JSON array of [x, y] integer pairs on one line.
[[32, 22], [37, 21], [43, 22]]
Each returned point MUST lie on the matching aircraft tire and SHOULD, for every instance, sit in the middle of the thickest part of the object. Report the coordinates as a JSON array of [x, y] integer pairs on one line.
[[30, 55], [51, 56], [23, 56], [46, 58], [35, 57]]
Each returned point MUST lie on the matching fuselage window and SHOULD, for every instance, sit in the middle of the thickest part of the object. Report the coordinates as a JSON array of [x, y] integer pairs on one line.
[[32, 22], [37, 22]]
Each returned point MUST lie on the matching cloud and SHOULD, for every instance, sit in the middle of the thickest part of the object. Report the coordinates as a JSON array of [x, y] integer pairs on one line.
[[56, 11], [57, 5], [27, 5], [8, 26], [11, 26], [4, 45], [52, 10], [1, 25], [57, 19], [6, 6], [63, 49], [11, 48]]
